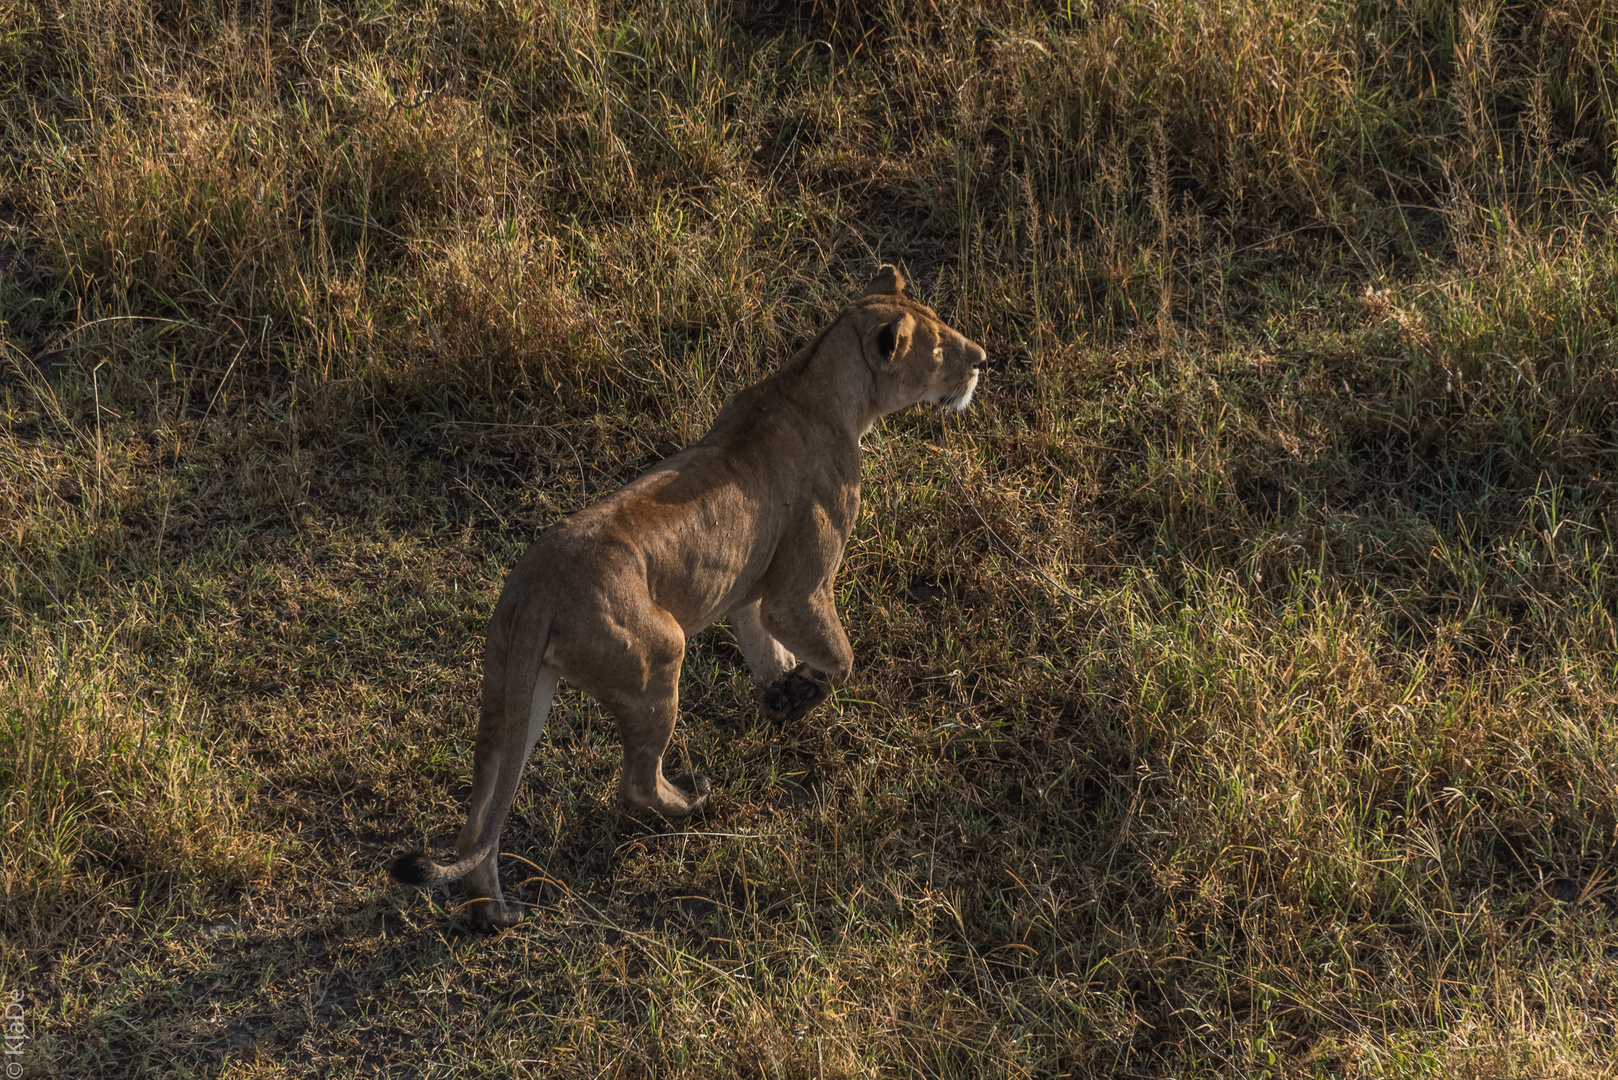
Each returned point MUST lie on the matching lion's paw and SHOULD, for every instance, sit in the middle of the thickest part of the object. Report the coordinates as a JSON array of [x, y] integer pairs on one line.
[[695, 788], [493, 915], [793, 694]]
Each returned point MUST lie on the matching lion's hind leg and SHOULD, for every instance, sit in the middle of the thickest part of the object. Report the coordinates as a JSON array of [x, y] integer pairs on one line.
[[646, 725], [640, 686]]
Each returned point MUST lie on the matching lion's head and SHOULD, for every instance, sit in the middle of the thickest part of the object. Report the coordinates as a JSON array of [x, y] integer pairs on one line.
[[913, 356]]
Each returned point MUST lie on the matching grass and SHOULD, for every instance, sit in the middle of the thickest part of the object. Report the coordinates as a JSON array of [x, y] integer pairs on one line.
[[1237, 683]]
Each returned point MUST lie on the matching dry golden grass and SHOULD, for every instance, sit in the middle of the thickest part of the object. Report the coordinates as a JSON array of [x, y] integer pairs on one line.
[[1237, 684]]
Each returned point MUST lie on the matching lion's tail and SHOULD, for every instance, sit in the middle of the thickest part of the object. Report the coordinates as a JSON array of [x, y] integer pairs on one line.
[[524, 679], [417, 868]]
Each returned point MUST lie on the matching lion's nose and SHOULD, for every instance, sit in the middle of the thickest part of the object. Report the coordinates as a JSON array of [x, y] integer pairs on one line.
[[979, 357]]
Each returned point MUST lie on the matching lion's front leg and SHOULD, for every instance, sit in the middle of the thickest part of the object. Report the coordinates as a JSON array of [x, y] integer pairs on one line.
[[766, 657], [793, 694], [811, 630]]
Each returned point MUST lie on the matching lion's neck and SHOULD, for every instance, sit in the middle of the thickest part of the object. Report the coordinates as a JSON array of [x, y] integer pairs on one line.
[[833, 384]]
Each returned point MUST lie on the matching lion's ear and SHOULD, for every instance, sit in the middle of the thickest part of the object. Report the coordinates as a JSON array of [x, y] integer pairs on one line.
[[893, 338], [887, 282]]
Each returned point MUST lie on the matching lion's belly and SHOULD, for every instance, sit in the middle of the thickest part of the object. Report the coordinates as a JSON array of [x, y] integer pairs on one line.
[[705, 567], [701, 542]]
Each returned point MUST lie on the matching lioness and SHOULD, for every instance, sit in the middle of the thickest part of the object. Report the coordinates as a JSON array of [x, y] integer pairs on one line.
[[749, 523]]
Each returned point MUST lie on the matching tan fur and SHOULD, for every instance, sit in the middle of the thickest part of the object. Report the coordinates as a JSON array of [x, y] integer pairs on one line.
[[749, 524]]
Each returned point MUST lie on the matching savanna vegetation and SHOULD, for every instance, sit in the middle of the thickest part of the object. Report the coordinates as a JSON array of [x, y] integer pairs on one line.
[[1236, 683]]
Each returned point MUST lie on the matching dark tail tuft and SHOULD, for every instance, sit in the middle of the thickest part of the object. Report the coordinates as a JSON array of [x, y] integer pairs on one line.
[[412, 868]]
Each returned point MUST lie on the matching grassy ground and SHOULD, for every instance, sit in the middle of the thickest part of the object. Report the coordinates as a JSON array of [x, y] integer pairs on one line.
[[1236, 684]]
